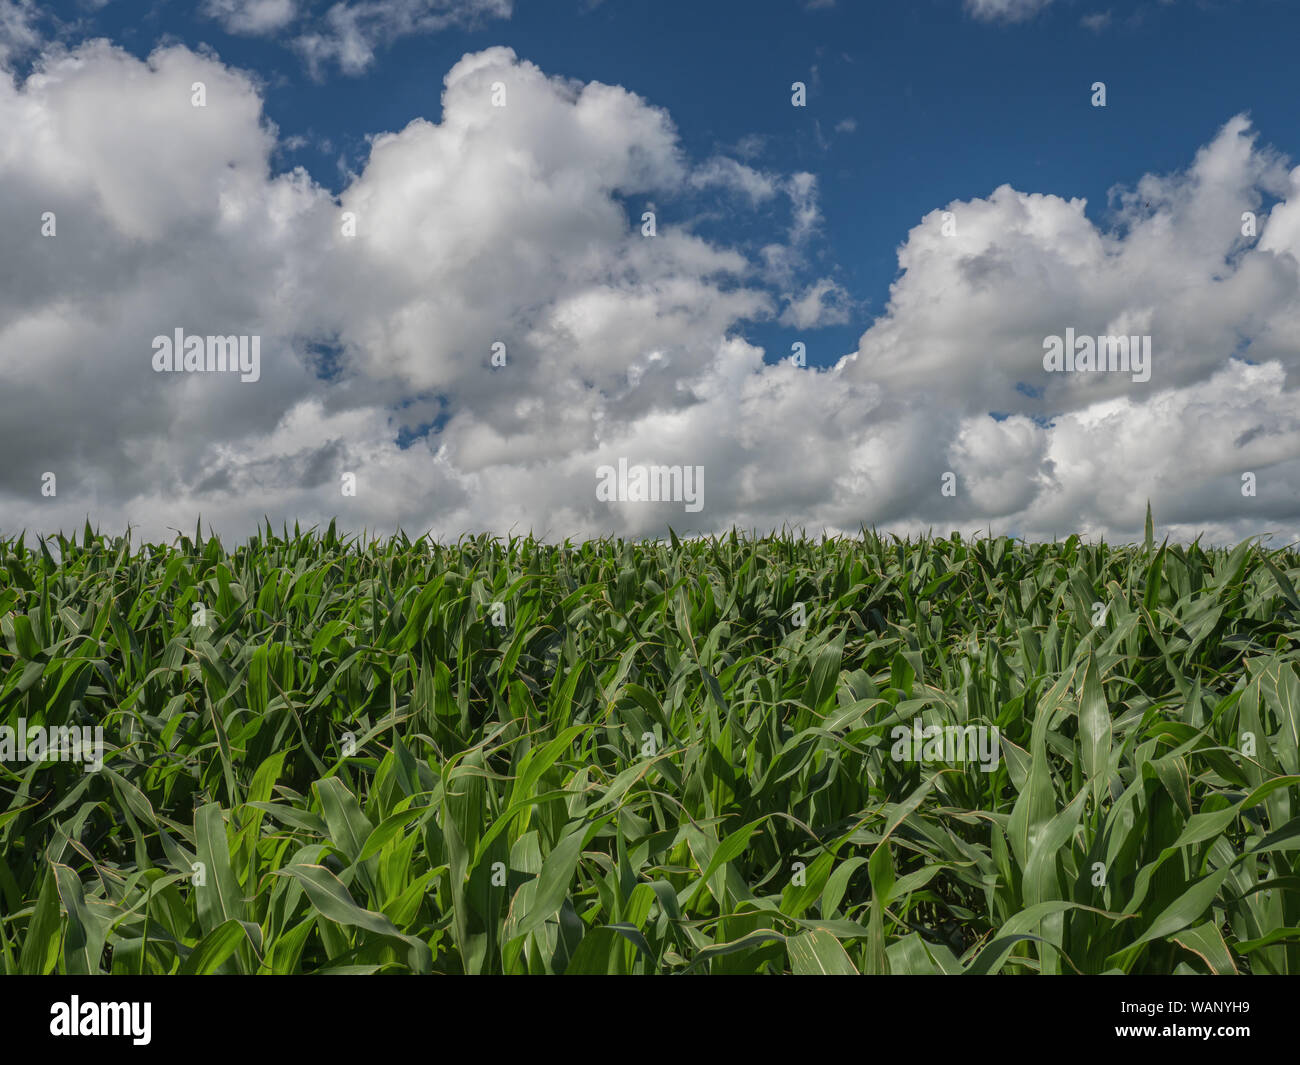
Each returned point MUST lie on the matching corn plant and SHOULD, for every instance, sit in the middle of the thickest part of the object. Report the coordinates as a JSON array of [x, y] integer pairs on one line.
[[323, 754]]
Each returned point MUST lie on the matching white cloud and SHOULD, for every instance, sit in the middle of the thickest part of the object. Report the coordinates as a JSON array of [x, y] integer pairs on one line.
[[1005, 10], [822, 303], [18, 30], [729, 173], [350, 32], [521, 225], [254, 18]]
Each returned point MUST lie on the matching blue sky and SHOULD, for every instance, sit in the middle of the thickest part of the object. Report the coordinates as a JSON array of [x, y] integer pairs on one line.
[[945, 105], [776, 224]]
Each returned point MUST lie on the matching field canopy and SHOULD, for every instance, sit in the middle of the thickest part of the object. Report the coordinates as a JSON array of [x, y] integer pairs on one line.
[[322, 755]]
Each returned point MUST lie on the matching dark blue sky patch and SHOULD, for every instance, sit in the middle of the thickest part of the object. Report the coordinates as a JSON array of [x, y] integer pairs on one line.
[[414, 424], [326, 358]]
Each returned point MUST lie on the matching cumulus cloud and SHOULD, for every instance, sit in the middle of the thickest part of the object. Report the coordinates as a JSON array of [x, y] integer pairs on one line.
[[516, 231], [1023, 267], [496, 225]]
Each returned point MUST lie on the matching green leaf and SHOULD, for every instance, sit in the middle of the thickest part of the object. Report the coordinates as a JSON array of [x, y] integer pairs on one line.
[[818, 954], [332, 900], [218, 898], [218, 945]]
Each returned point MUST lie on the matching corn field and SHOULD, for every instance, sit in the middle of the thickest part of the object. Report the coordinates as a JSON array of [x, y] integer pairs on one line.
[[323, 754]]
